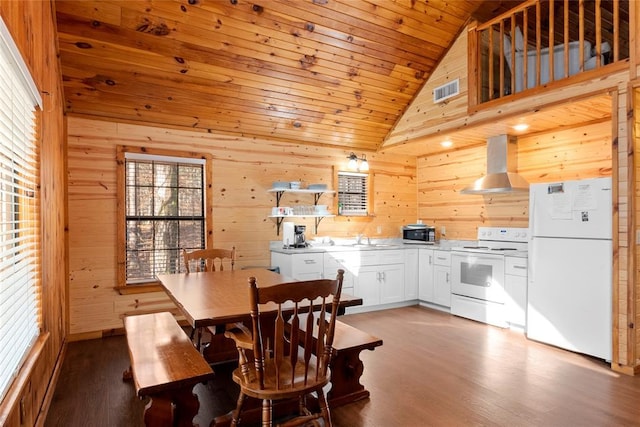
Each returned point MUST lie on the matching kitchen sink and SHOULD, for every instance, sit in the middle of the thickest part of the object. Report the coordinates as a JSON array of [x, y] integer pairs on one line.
[[372, 245]]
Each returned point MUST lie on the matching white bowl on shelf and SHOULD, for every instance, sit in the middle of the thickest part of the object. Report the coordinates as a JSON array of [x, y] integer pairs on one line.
[[321, 210], [317, 186], [295, 185], [281, 185]]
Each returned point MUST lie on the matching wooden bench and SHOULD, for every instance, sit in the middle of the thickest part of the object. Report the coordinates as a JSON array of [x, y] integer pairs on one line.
[[346, 366], [164, 366], [346, 370]]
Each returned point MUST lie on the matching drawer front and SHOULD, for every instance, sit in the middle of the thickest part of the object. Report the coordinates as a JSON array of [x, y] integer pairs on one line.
[[442, 257], [390, 257], [369, 257], [515, 266], [307, 263]]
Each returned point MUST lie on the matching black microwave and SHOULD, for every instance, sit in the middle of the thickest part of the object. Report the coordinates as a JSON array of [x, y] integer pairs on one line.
[[419, 233]]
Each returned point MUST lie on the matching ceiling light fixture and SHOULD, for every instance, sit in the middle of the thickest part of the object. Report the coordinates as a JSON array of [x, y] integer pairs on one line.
[[359, 164], [520, 127], [446, 143]]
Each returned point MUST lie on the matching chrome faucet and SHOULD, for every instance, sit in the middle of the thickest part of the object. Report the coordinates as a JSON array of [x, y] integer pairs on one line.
[[359, 239]]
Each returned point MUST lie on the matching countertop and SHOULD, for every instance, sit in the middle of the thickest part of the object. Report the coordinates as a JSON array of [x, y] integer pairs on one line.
[[379, 244]]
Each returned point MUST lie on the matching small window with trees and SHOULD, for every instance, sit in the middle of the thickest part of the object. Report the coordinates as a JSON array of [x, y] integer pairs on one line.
[[163, 201], [353, 194]]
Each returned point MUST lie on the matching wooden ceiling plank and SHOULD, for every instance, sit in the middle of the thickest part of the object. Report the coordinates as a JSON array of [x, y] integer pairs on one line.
[[413, 52], [184, 82], [306, 135], [437, 30], [250, 119], [97, 10], [165, 46], [263, 45]]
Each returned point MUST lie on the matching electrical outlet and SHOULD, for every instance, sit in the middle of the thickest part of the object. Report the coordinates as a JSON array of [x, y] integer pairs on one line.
[[443, 231], [379, 229], [637, 237]]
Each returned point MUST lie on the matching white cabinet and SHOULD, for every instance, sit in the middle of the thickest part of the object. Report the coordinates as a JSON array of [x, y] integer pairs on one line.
[[348, 261], [380, 277], [515, 285], [411, 274], [442, 278], [425, 274], [299, 266]]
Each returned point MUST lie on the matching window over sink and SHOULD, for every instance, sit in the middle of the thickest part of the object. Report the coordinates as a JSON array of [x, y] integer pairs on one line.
[[353, 194]]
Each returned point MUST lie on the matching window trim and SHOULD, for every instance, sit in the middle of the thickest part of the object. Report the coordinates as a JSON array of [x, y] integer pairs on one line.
[[121, 241], [369, 194], [29, 206]]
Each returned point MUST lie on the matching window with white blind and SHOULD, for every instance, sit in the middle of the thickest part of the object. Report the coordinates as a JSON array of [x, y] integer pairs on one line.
[[353, 193], [164, 213], [20, 287]]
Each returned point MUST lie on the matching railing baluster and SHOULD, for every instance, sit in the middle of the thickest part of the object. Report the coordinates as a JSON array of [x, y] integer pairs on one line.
[[598, 34], [616, 30], [551, 47], [581, 26], [565, 21], [490, 63], [538, 43], [502, 53]]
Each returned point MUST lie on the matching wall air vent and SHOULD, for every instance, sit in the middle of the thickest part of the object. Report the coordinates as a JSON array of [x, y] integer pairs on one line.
[[446, 91]]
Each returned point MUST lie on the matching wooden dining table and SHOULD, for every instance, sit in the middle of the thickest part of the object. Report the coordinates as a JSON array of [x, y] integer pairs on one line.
[[221, 297]]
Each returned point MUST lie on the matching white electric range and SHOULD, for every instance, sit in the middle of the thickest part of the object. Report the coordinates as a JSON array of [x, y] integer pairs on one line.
[[478, 274]]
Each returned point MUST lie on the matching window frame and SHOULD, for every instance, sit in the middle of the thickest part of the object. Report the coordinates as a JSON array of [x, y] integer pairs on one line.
[[21, 207], [121, 150], [368, 193]]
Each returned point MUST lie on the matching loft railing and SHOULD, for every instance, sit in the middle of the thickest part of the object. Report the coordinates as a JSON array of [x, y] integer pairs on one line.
[[543, 41]]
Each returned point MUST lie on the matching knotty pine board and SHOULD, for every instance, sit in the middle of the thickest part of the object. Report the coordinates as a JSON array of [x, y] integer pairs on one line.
[[243, 171]]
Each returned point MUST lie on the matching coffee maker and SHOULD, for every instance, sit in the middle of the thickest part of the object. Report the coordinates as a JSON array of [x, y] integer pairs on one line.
[[293, 235], [299, 240]]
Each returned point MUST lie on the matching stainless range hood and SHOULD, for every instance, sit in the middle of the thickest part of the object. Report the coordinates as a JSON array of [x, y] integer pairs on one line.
[[501, 174]]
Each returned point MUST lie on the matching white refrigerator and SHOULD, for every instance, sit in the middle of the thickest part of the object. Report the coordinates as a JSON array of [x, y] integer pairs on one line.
[[570, 265]]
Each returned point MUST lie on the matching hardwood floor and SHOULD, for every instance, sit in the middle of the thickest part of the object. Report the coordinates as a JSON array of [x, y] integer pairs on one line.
[[433, 369]]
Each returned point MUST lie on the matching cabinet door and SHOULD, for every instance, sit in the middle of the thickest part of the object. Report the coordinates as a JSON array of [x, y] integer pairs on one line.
[[391, 279], [411, 274], [336, 260], [425, 275], [308, 266], [516, 305], [367, 285], [284, 262], [442, 285]]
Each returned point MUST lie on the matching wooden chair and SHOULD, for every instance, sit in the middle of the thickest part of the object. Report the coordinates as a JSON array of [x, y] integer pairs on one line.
[[277, 359], [205, 259]]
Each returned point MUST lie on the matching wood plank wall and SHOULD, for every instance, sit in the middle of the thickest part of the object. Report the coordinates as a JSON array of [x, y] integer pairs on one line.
[[583, 152], [243, 171], [32, 26]]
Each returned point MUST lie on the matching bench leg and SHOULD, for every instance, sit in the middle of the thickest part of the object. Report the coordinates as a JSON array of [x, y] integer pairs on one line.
[[176, 408], [346, 370]]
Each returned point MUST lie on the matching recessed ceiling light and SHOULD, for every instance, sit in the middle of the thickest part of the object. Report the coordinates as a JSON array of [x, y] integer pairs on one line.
[[521, 127], [446, 143]]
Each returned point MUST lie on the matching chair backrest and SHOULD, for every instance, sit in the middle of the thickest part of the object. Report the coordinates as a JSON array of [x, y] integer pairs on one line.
[[206, 259], [298, 337]]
